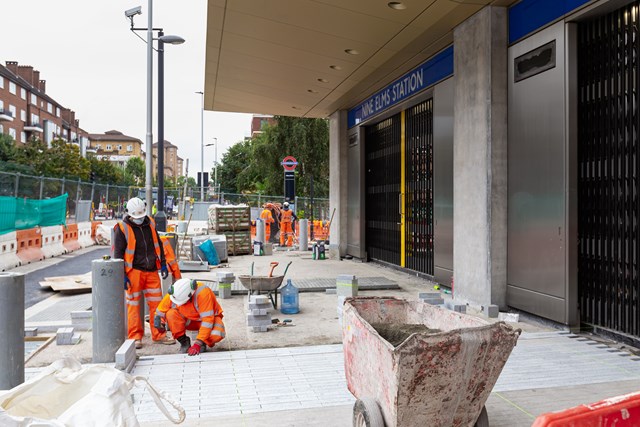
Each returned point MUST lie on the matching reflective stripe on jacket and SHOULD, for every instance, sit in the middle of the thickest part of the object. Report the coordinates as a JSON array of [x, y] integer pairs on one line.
[[202, 307], [286, 216], [130, 251]]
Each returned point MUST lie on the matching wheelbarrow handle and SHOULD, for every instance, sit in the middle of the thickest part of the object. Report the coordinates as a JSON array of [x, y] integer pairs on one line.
[[286, 268], [273, 267]]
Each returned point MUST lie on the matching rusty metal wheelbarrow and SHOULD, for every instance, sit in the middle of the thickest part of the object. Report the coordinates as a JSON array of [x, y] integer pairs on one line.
[[442, 377]]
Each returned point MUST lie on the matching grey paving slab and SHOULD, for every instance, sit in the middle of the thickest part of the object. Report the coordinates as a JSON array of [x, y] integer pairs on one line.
[[61, 309]]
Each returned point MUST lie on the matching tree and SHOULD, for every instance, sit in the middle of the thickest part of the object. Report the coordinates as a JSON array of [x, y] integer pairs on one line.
[[136, 168], [106, 172], [305, 139], [64, 160]]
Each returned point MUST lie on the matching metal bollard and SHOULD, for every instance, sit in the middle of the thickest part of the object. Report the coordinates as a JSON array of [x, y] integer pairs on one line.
[[11, 330], [304, 235], [109, 321], [260, 231]]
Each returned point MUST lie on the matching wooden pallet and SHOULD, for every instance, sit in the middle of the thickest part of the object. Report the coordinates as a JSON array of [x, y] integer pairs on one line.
[[238, 242], [230, 218]]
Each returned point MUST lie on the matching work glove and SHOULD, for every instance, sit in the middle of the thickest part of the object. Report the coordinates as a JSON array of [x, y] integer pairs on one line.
[[127, 283], [164, 272], [195, 348], [157, 322]]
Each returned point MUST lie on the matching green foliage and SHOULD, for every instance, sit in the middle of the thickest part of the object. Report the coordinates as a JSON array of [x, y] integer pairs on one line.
[[64, 160], [7, 148], [254, 166], [106, 172], [135, 170]]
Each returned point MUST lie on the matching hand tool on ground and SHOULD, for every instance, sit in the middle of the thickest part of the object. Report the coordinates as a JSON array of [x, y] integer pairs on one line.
[[273, 267]]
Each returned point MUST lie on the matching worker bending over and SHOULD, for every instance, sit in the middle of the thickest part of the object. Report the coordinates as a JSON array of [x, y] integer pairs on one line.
[[287, 218], [190, 305], [137, 242]]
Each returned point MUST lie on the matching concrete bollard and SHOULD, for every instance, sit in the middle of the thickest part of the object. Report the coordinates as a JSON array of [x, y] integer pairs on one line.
[[11, 330], [304, 235], [109, 322], [260, 231]]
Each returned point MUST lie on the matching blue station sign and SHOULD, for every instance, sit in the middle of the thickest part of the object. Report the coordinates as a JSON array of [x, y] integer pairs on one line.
[[425, 75]]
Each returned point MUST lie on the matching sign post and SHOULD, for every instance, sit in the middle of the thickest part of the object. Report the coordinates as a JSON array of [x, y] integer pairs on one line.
[[289, 164]]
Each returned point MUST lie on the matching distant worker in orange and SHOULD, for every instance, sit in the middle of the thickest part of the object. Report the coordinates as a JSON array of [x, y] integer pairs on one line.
[[267, 217], [190, 305], [136, 241], [287, 218]]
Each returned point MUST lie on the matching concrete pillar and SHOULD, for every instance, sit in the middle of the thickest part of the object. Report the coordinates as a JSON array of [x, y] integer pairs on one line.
[[480, 158], [304, 235], [260, 231], [338, 183], [11, 330], [109, 321]]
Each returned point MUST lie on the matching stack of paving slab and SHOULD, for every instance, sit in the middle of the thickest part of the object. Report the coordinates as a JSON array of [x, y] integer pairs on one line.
[[67, 336], [225, 280], [346, 287], [258, 313]]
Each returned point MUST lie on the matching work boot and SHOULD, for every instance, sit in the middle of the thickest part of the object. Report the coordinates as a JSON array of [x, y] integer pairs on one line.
[[138, 344], [185, 343], [165, 340]]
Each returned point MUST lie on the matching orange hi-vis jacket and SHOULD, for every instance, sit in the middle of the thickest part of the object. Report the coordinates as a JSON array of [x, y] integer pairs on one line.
[[287, 216], [267, 217], [202, 308], [131, 245], [170, 258]]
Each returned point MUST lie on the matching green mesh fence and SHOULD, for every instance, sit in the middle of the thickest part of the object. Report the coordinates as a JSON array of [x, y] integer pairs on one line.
[[23, 213]]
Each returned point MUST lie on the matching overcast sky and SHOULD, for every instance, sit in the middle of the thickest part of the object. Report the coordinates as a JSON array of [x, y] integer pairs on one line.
[[95, 66]]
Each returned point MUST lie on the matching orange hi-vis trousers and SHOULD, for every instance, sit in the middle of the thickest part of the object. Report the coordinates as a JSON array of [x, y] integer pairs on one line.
[[286, 232], [145, 283]]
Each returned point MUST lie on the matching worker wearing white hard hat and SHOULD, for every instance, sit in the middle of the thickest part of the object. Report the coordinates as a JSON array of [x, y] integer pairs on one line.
[[190, 305], [137, 242]]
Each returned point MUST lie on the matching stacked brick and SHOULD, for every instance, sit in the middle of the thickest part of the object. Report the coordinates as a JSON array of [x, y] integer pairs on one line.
[[433, 298], [258, 313], [225, 280]]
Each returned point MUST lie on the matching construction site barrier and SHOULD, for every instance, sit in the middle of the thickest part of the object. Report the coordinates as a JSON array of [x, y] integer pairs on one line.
[[70, 238], [52, 241], [94, 226], [84, 234], [29, 245], [8, 251], [620, 411]]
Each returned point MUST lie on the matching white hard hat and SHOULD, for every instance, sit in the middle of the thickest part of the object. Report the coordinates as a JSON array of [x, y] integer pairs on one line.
[[136, 208], [181, 291], [286, 204]]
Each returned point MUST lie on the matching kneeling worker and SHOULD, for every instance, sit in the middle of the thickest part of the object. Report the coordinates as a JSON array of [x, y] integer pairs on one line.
[[192, 306]]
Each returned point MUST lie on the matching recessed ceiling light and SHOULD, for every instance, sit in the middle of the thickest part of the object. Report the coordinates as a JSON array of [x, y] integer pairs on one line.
[[352, 51], [312, 91], [323, 80], [396, 5], [335, 67], [296, 108]]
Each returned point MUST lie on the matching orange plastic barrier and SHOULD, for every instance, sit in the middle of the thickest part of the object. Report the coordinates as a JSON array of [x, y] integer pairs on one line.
[[94, 226], [70, 239], [619, 411], [29, 245]]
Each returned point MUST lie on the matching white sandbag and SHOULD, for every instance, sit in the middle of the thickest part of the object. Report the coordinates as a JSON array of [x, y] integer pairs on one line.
[[65, 394]]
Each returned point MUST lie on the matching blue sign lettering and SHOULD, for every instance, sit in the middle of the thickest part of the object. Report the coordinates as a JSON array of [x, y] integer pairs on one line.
[[427, 74]]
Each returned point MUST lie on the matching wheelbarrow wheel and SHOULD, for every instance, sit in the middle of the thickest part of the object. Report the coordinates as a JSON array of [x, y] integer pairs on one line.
[[366, 413], [483, 419]]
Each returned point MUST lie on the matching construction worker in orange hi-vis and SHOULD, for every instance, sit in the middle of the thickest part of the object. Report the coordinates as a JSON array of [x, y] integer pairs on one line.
[[287, 217], [267, 217], [190, 305], [136, 241]]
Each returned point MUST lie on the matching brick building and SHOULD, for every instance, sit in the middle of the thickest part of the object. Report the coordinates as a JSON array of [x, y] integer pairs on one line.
[[259, 121], [172, 162], [26, 111], [115, 146]]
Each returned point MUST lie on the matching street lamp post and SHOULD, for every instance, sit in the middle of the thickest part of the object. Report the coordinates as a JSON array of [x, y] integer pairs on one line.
[[201, 146], [215, 165], [162, 39]]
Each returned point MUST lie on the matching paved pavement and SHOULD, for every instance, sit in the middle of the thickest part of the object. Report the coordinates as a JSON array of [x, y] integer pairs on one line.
[[547, 371]]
